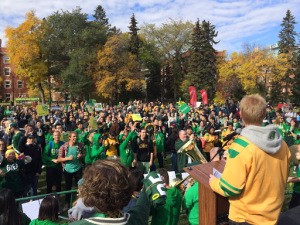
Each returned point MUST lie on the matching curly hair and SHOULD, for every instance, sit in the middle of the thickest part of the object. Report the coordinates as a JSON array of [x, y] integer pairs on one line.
[[108, 186]]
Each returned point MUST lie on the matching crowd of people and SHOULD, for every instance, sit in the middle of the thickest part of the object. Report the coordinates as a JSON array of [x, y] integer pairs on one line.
[[107, 151]]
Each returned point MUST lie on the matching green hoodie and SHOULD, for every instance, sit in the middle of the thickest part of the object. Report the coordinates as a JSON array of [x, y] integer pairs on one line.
[[169, 213], [94, 151], [126, 153], [190, 202], [44, 222]]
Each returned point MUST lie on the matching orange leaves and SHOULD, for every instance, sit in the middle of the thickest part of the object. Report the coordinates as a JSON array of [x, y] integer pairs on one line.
[[118, 68]]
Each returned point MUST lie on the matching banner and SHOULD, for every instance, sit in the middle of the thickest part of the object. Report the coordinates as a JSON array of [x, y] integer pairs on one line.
[[136, 117], [193, 96], [42, 110], [98, 106], [204, 97]]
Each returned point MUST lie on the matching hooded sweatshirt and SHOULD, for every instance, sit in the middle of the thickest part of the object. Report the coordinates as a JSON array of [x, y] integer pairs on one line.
[[255, 175], [94, 151]]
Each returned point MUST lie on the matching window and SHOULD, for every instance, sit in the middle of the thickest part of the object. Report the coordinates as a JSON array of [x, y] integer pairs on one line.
[[20, 84], [7, 97], [6, 71], [6, 60], [7, 84]]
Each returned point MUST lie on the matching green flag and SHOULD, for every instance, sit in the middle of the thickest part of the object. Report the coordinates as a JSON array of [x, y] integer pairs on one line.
[[184, 108]]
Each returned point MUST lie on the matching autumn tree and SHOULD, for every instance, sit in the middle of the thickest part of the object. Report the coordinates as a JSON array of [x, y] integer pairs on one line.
[[172, 40], [25, 53], [229, 84], [252, 71], [119, 70]]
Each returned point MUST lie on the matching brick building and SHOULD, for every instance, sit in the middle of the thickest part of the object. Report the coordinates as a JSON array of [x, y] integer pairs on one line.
[[11, 86]]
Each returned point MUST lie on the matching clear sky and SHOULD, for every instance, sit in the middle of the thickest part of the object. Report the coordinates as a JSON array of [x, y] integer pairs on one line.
[[237, 21]]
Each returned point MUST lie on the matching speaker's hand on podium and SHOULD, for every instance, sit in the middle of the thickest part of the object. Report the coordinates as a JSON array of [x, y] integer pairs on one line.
[[211, 177]]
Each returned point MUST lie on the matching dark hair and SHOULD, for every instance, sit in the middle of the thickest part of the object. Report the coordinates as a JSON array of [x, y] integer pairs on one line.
[[58, 124], [164, 175], [9, 214], [49, 208], [139, 176], [108, 186]]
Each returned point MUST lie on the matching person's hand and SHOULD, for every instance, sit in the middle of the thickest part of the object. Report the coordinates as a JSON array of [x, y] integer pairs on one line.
[[150, 163], [134, 163], [78, 210], [79, 156], [192, 137], [293, 180], [2, 174], [211, 178], [70, 158], [54, 160]]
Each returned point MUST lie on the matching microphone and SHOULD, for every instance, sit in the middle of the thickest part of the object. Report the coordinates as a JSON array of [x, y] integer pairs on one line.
[[231, 135]]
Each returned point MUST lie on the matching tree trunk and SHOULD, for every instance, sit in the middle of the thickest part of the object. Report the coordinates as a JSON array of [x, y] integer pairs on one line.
[[42, 93]]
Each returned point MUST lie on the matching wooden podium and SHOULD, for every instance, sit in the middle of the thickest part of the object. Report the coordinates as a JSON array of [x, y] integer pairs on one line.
[[210, 203]]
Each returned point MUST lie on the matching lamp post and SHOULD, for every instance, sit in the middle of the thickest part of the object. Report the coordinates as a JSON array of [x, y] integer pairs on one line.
[[146, 72]]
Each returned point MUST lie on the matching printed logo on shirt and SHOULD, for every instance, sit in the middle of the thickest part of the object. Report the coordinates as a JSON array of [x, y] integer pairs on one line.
[[143, 145], [54, 151], [12, 167]]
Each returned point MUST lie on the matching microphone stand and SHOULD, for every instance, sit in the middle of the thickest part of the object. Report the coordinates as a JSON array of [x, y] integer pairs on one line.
[[220, 151]]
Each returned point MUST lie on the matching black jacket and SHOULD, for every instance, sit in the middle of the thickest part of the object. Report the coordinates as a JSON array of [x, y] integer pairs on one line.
[[35, 166]]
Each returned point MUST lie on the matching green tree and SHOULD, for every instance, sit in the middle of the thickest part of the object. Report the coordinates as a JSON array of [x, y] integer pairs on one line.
[[70, 45], [100, 16], [134, 44], [296, 82], [150, 60], [287, 45], [287, 35], [202, 67], [172, 40]]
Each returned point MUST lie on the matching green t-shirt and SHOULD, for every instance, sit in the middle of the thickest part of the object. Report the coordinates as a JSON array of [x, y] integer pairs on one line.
[[75, 164], [51, 152]]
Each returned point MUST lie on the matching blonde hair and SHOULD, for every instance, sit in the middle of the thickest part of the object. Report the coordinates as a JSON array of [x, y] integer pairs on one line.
[[253, 109]]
